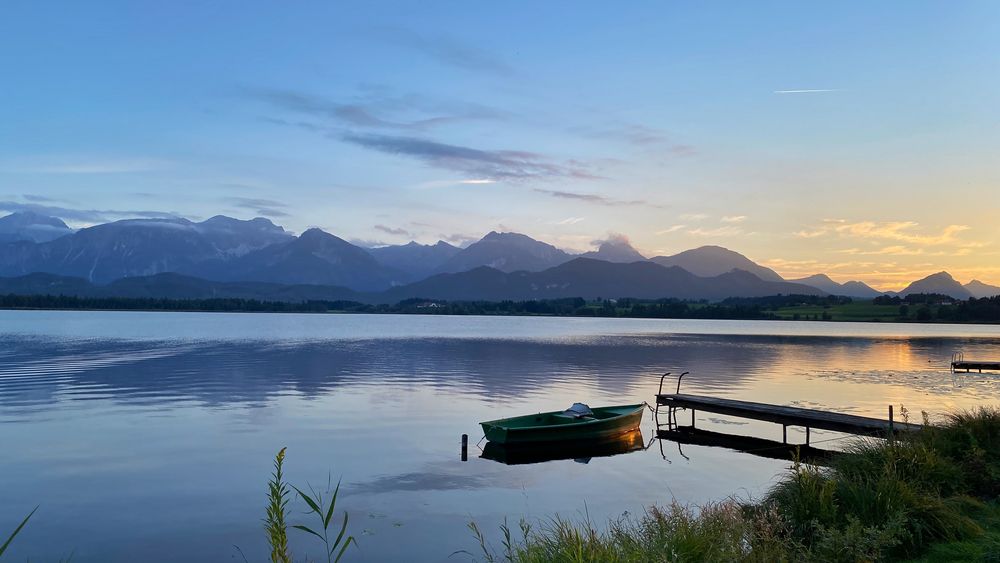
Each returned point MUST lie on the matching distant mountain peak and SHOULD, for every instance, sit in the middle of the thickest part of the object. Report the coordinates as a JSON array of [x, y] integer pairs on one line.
[[819, 277], [28, 217], [31, 226], [507, 252], [980, 289], [940, 282], [315, 233]]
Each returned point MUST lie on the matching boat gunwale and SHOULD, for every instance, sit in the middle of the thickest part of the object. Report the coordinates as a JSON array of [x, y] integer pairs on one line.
[[577, 424]]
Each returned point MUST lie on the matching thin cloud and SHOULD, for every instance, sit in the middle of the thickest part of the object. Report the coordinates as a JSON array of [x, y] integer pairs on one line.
[[82, 215], [672, 229], [808, 91], [371, 112], [265, 207], [394, 231], [38, 198], [493, 165], [592, 198], [430, 184], [726, 231], [899, 231], [734, 218], [458, 239], [617, 239], [449, 51], [637, 135], [570, 221], [694, 216], [80, 165]]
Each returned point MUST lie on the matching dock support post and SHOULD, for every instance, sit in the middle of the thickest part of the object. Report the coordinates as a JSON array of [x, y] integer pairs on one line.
[[465, 447], [807, 435], [692, 418], [784, 433]]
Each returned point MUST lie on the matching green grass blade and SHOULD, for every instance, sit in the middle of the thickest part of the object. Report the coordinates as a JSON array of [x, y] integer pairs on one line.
[[343, 529], [3, 547], [343, 549], [312, 504], [333, 503], [306, 529]]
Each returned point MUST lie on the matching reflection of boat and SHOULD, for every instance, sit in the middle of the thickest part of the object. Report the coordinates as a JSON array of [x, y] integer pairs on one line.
[[580, 451], [578, 422]]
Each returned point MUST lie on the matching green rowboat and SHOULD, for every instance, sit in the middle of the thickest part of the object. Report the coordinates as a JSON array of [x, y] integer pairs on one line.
[[559, 426]]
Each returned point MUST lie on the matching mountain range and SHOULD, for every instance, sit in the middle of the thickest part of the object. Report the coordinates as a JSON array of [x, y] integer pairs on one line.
[[223, 256]]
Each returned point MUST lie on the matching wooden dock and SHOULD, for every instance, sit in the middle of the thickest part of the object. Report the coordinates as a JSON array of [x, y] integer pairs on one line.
[[977, 366], [786, 416]]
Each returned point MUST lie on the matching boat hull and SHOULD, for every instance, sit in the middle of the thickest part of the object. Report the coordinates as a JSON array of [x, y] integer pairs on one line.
[[551, 427]]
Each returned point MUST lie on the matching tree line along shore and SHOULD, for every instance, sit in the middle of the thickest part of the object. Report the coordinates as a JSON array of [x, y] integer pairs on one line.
[[912, 308]]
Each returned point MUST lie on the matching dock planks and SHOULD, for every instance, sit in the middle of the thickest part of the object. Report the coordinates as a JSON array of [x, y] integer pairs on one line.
[[784, 415]]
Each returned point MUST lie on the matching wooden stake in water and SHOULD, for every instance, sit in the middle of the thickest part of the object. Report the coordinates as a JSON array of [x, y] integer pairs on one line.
[[465, 447]]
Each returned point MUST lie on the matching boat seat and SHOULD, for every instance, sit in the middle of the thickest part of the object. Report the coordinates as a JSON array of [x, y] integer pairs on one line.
[[574, 416]]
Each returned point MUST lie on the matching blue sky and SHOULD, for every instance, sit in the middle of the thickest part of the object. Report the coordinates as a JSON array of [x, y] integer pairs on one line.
[[859, 139]]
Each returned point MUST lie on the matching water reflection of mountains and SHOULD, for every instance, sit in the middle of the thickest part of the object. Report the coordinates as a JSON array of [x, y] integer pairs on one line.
[[35, 371]]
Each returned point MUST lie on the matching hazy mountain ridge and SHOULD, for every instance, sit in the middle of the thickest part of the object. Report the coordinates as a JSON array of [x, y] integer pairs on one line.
[[710, 261], [315, 257], [855, 289], [581, 277], [230, 250], [415, 260], [139, 247]]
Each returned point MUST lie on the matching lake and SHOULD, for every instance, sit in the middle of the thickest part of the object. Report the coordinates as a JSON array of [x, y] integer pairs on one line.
[[150, 436]]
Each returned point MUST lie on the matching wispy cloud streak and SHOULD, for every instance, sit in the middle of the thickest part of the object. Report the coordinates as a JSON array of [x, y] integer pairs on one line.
[[592, 198], [510, 165], [82, 215], [808, 91], [265, 207], [450, 51]]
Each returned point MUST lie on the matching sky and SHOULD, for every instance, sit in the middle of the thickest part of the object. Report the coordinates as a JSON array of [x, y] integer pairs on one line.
[[857, 139]]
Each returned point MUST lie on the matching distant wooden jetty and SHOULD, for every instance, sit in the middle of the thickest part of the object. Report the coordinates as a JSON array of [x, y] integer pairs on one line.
[[779, 414], [959, 363]]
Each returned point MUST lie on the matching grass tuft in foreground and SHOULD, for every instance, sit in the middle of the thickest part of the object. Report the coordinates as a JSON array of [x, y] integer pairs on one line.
[[278, 493], [931, 495]]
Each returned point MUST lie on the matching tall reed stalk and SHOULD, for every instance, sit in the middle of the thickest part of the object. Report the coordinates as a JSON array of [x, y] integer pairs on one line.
[[274, 522]]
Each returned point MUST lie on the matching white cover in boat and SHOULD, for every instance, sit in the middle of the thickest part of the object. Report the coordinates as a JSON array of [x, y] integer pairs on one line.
[[578, 410]]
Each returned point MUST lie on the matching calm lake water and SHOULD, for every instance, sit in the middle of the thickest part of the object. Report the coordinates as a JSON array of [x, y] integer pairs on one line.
[[150, 436]]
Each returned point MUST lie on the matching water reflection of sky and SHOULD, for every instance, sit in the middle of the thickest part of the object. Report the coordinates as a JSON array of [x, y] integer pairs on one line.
[[170, 420]]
